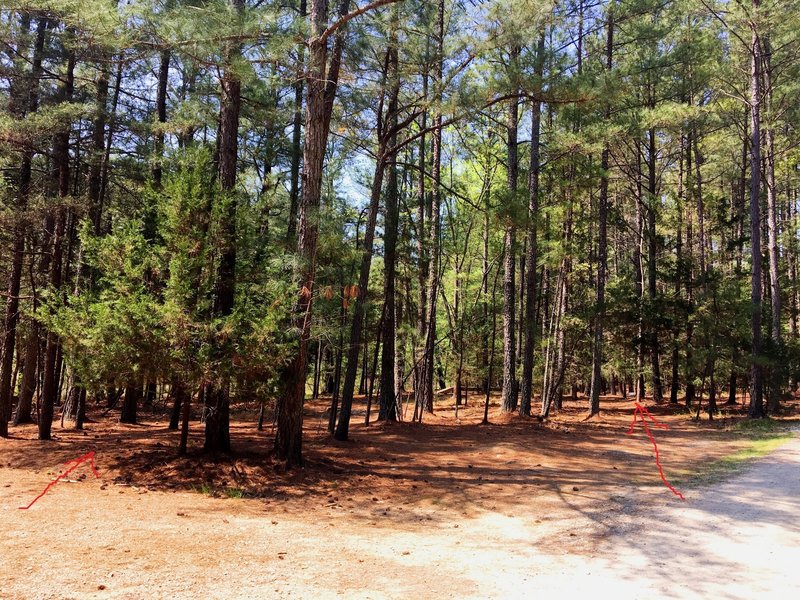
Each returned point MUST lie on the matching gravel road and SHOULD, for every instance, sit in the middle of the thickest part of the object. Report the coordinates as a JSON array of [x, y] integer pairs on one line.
[[735, 540]]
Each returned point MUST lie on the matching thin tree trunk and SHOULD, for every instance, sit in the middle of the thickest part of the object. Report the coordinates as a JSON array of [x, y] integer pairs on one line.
[[675, 380], [388, 402], [756, 409], [597, 347], [435, 220], [509, 402], [422, 257], [317, 371], [354, 348], [29, 379], [61, 176], [185, 413], [638, 253], [25, 104], [532, 250], [375, 356], [337, 369], [161, 114], [652, 199], [776, 372], [104, 170], [491, 351], [689, 284], [297, 132]]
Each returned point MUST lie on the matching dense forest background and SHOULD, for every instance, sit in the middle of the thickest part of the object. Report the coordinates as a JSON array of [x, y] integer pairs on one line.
[[251, 202]]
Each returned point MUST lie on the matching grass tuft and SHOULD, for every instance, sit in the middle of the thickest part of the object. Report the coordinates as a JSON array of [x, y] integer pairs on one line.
[[210, 490], [234, 493], [758, 446], [759, 428]]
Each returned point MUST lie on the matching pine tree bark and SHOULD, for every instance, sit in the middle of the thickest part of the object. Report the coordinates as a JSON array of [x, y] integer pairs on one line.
[[652, 198], [531, 254], [97, 218], [23, 100], [428, 362], [776, 372], [176, 386], [29, 379], [161, 114], [217, 407], [297, 133], [756, 409], [388, 389], [75, 405], [675, 380], [321, 82], [17, 105], [130, 403], [422, 258], [354, 347], [186, 400], [689, 283], [638, 253], [509, 401], [602, 258], [61, 180]]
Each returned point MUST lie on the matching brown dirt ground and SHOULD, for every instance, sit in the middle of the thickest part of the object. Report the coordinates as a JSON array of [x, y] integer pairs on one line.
[[428, 504]]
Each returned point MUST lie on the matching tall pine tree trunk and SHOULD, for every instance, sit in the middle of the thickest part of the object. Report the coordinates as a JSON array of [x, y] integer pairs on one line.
[[602, 243], [17, 108], [756, 409], [428, 363], [532, 250], [509, 266], [392, 306], [675, 380], [217, 417], [357, 325], [321, 83], [639, 284], [61, 177], [422, 259], [652, 199], [75, 405], [776, 371], [297, 133]]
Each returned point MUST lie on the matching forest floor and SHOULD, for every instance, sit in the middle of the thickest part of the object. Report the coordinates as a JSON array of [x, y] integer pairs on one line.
[[447, 509]]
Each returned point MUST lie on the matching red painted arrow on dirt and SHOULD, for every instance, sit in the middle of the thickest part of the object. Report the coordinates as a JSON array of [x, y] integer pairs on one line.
[[642, 414], [89, 456]]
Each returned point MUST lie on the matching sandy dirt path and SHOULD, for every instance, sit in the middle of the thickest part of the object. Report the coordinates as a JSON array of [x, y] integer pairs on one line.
[[110, 541], [95, 539], [736, 540]]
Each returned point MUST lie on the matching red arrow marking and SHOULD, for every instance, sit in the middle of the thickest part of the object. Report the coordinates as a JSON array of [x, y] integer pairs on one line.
[[89, 456], [640, 412]]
